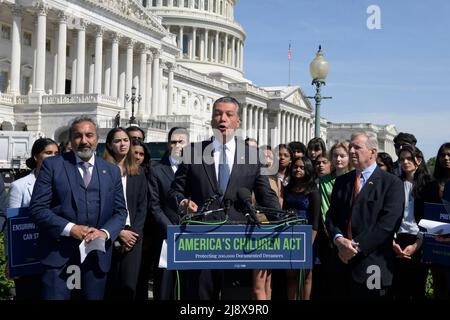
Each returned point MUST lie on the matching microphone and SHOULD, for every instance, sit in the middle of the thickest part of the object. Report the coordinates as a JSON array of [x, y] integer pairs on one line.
[[245, 197]]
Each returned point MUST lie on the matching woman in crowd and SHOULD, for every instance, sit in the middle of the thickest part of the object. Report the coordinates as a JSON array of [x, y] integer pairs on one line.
[[409, 273], [316, 147], [284, 160], [441, 275], [302, 196], [123, 276], [324, 271], [384, 161], [262, 278], [28, 287]]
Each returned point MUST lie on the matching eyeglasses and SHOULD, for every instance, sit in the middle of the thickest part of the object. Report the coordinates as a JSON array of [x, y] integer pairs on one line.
[[443, 155], [176, 141], [137, 138]]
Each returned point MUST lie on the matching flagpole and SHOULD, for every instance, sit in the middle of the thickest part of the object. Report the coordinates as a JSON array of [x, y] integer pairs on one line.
[[289, 79], [289, 64]]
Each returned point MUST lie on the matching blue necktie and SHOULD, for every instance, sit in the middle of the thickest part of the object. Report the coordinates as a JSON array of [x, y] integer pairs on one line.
[[224, 170]]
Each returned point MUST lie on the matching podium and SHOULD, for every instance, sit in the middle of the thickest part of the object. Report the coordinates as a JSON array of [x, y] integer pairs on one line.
[[193, 247]]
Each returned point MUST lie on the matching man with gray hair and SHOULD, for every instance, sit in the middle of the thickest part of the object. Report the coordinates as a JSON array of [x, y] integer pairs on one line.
[[77, 198], [365, 211]]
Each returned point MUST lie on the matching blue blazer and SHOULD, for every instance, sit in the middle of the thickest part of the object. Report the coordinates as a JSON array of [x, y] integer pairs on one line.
[[55, 203]]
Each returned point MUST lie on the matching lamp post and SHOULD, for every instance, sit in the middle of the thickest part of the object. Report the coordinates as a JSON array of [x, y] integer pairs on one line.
[[318, 69], [133, 99]]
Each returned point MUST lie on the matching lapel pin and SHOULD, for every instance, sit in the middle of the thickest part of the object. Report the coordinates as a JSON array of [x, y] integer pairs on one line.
[[370, 182], [103, 171]]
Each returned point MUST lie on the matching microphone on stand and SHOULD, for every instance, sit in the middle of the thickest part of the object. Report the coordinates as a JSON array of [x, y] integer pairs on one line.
[[245, 197]]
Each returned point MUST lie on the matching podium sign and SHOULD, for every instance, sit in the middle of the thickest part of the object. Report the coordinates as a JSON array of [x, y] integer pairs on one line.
[[22, 243], [436, 251], [239, 247]]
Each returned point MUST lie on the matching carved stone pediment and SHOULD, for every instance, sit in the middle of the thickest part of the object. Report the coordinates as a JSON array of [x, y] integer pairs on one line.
[[131, 10]]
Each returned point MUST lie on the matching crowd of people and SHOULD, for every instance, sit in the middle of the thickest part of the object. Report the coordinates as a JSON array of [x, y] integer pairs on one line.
[[363, 207]]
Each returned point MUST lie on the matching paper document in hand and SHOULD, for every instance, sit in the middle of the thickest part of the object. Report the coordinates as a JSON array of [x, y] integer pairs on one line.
[[435, 227], [85, 248], [163, 257]]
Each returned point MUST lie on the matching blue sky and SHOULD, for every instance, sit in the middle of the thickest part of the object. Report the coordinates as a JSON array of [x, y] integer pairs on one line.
[[399, 74]]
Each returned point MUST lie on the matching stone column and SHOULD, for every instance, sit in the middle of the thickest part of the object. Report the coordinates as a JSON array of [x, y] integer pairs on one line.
[[122, 77], [225, 50], [261, 126], [266, 127], [295, 128], [242, 56], [91, 67], [98, 60], [170, 67], [73, 82], [35, 20], [283, 127], [40, 44], [206, 55], [129, 73], [107, 72], [16, 50], [255, 122], [54, 53], [62, 44], [233, 52], [194, 43], [114, 65], [148, 88], [278, 133], [155, 81], [244, 120], [81, 56], [250, 121], [161, 107], [180, 40], [202, 48], [211, 49], [142, 81], [216, 53]]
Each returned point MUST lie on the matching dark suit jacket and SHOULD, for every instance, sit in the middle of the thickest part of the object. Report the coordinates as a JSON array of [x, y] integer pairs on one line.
[[137, 202], [376, 216], [161, 177], [197, 179], [3, 205], [55, 203]]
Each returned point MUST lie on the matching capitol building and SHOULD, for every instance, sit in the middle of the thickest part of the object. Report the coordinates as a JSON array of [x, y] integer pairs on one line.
[[61, 59]]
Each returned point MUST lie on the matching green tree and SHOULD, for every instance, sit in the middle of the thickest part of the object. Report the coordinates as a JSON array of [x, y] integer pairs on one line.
[[430, 164], [5, 283]]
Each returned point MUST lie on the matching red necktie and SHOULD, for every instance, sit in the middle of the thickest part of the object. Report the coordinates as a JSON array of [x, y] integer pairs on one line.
[[354, 196]]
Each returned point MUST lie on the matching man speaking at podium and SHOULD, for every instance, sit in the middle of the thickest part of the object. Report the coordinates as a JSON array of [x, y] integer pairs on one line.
[[217, 169]]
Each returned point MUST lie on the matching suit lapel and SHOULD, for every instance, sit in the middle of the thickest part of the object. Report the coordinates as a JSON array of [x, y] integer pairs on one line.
[[30, 183], [167, 169], [103, 180], [72, 171], [210, 169]]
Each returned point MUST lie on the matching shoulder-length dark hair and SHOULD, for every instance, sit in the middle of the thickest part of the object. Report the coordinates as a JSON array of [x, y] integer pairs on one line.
[[146, 164], [440, 172], [421, 176], [38, 146], [310, 176], [387, 160], [131, 167]]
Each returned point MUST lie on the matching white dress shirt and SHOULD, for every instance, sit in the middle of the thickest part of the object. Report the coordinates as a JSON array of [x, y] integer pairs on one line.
[[230, 150]]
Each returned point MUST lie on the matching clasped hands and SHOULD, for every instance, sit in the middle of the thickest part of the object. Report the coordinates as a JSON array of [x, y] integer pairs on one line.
[[128, 238], [88, 234], [347, 249]]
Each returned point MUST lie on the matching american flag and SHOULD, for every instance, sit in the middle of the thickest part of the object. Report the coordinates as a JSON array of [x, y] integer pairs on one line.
[[289, 52]]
